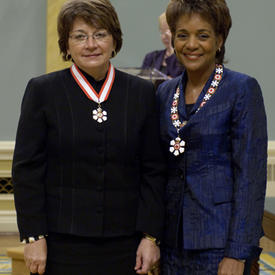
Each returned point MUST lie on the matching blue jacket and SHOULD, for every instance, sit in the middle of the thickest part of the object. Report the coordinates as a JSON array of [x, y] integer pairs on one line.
[[218, 185]]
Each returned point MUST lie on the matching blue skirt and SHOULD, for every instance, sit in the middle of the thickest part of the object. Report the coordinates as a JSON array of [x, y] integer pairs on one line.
[[194, 262]]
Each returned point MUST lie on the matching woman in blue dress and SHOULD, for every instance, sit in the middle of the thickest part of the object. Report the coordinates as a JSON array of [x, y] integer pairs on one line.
[[213, 128]]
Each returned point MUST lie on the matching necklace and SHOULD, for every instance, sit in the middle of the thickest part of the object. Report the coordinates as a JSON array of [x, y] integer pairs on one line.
[[98, 114], [177, 145]]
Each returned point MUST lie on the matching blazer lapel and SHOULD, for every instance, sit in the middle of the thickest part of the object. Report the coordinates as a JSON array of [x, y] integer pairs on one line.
[[193, 115]]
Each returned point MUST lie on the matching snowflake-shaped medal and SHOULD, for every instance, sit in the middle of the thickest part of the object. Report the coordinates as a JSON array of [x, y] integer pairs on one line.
[[176, 123], [174, 110], [207, 97], [99, 115], [214, 83], [219, 70], [177, 146]]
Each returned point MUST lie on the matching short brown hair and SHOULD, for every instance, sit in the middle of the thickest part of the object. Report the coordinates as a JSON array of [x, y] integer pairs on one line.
[[215, 12], [99, 13]]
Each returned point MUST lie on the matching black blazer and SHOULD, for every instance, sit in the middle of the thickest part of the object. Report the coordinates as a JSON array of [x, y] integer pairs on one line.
[[74, 175]]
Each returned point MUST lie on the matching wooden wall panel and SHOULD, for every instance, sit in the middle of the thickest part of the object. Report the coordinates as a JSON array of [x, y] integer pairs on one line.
[[269, 225], [53, 58]]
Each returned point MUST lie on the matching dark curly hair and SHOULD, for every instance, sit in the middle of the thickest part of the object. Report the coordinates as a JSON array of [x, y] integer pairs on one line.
[[215, 12], [99, 13]]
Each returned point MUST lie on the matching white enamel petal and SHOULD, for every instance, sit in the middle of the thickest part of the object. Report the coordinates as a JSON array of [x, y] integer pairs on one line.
[[171, 149], [104, 113], [176, 152], [100, 120], [181, 149], [95, 112], [182, 143], [104, 118], [95, 117], [172, 142]]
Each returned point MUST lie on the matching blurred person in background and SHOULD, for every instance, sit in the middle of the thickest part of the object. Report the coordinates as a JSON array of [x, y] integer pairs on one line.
[[163, 60]]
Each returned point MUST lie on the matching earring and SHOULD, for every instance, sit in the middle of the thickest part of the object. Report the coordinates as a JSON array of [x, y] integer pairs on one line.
[[68, 56], [113, 53]]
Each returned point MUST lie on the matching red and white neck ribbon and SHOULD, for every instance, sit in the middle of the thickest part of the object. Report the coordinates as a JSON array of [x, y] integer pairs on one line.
[[87, 87]]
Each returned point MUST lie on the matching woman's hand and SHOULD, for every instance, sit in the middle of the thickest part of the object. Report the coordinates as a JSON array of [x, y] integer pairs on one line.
[[230, 266], [148, 255], [35, 255]]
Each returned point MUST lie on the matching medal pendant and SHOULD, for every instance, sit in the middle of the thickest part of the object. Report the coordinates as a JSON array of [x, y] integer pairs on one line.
[[99, 115], [177, 146]]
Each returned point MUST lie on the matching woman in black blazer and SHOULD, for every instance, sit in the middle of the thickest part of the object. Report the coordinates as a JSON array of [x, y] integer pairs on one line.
[[88, 171]]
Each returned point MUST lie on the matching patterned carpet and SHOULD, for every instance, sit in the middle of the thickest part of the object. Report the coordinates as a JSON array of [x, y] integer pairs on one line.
[[5, 265], [267, 264]]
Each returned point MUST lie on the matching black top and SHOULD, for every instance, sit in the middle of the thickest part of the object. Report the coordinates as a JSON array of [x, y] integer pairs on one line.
[[95, 84], [74, 175], [189, 108]]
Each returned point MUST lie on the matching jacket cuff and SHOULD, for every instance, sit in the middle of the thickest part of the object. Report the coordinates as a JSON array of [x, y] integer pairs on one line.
[[242, 251]]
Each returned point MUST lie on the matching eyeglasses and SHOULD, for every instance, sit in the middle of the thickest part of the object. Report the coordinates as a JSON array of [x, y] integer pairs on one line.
[[80, 38]]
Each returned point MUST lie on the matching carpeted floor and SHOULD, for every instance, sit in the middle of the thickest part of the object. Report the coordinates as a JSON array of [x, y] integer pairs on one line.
[[267, 264]]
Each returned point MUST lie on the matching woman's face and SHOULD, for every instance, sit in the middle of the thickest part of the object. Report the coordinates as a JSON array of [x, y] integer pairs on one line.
[[90, 48], [196, 43], [165, 33]]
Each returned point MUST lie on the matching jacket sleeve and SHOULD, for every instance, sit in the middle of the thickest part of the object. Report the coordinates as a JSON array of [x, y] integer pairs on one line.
[[153, 171], [29, 164], [147, 61], [249, 160]]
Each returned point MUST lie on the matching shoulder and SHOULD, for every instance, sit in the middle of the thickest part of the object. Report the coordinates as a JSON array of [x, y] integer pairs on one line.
[[241, 86], [172, 58], [166, 90], [155, 53], [239, 79], [38, 88], [49, 78], [168, 86]]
